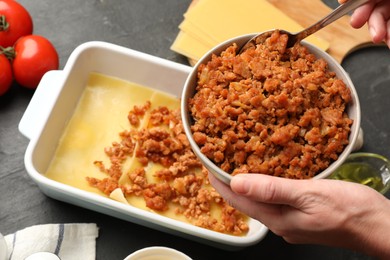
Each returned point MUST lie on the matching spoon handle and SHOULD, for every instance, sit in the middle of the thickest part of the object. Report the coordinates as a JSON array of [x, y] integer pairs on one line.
[[341, 11], [330, 18]]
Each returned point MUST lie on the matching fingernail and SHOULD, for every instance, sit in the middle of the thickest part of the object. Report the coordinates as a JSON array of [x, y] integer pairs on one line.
[[240, 184], [372, 32]]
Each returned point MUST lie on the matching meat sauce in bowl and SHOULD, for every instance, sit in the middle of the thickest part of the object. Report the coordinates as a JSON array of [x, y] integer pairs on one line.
[[270, 110]]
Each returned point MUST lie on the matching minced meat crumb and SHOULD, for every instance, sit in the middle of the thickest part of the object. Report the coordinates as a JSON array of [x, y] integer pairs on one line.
[[271, 110], [163, 141]]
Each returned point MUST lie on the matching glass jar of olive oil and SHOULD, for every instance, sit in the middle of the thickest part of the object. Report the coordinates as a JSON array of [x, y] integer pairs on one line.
[[370, 169]]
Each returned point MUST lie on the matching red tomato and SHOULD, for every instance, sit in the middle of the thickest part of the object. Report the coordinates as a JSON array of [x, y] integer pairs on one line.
[[34, 56], [5, 74], [15, 22]]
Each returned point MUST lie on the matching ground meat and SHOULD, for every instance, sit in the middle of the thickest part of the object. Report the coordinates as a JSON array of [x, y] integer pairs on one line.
[[271, 110], [182, 183]]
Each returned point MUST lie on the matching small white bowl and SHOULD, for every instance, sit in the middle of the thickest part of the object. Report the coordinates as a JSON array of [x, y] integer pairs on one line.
[[353, 109], [157, 253], [52, 106], [3, 248]]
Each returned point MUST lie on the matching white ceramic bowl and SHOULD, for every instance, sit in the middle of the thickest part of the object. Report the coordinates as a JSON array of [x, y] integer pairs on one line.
[[3, 248], [157, 253], [52, 106], [353, 108]]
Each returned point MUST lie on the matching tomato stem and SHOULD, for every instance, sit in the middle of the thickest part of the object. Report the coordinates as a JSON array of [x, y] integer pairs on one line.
[[9, 52], [4, 25]]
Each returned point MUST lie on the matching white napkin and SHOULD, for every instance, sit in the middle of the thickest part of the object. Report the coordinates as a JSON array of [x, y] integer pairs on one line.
[[68, 241]]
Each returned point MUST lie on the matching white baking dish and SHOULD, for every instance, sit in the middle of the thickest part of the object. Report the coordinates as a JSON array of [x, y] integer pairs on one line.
[[52, 106]]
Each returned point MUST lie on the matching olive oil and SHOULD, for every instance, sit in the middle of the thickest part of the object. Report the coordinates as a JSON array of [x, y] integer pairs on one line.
[[360, 172]]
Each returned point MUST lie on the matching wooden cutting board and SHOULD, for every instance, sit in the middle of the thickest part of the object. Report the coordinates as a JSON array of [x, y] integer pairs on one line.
[[343, 39]]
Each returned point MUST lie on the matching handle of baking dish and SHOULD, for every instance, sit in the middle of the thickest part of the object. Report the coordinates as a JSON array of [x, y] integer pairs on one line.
[[41, 103]]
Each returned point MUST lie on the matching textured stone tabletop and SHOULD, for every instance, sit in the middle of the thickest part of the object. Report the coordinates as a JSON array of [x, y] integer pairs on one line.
[[151, 26]]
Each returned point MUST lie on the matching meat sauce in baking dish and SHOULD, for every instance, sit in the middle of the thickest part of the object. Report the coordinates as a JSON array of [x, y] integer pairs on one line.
[[126, 142]]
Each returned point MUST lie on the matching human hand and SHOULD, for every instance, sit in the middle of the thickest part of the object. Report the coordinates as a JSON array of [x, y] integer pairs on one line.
[[327, 212], [376, 14]]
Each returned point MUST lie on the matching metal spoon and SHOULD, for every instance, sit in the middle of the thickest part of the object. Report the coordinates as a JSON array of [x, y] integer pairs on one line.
[[297, 37]]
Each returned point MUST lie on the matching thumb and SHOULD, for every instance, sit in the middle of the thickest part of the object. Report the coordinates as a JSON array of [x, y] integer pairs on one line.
[[270, 189]]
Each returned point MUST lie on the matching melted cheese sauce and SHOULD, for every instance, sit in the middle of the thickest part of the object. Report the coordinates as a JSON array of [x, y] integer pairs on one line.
[[100, 115]]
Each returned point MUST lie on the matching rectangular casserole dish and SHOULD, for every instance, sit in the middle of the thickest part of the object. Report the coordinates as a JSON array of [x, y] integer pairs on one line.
[[52, 106]]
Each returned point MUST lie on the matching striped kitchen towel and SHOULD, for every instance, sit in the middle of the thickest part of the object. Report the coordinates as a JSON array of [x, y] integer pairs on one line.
[[68, 241]]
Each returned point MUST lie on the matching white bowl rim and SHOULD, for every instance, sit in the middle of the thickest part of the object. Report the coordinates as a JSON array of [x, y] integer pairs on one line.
[[157, 251]]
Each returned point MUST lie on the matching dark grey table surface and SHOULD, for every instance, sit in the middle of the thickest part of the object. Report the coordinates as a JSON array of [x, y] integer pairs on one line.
[[151, 26]]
